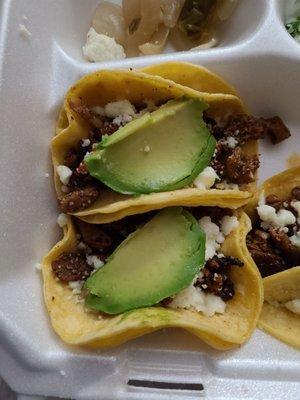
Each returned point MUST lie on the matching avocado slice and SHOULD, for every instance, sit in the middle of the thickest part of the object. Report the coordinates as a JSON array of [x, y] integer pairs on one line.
[[163, 150], [153, 263]]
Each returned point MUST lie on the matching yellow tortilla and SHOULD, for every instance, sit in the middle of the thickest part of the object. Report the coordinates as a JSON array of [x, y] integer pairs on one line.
[[284, 286], [191, 75], [101, 87], [77, 326], [275, 318]]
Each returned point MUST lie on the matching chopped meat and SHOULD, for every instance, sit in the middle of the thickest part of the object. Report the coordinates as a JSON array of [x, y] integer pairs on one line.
[[243, 128], [274, 201], [215, 213], [241, 168], [295, 194], [87, 114], [267, 260], [222, 152], [96, 236], [71, 267], [76, 155], [105, 238], [81, 178], [277, 130], [79, 199], [71, 159], [283, 243], [216, 279], [281, 240], [165, 302]]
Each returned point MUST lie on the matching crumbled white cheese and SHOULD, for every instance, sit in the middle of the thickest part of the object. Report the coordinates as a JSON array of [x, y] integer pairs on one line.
[[206, 178], [293, 305], [295, 239], [146, 149], [62, 220], [231, 142], [76, 286], [24, 31], [213, 237], [64, 174], [100, 47], [228, 224], [224, 185], [194, 298], [94, 261], [121, 107], [86, 143], [278, 219], [296, 206]]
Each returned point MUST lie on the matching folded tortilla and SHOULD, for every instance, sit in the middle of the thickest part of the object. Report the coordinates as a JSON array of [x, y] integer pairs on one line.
[[284, 286], [78, 326], [100, 88]]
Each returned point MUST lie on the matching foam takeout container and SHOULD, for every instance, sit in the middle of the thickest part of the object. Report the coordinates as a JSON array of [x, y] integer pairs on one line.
[[256, 55]]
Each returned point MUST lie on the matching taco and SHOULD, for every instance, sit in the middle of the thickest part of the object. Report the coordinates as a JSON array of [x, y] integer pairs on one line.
[[274, 243], [186, 268], [113, 155]]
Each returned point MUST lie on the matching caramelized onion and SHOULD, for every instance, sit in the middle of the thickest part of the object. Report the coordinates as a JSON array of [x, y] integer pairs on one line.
[[108, 20], [157, 42], [142, 25], [171, 10]]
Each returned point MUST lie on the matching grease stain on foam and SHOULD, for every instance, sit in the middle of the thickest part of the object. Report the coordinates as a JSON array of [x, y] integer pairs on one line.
[[293, 160]]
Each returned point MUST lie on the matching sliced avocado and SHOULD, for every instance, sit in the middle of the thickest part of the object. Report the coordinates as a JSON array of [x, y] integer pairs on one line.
[[161, 151], [153, 263]]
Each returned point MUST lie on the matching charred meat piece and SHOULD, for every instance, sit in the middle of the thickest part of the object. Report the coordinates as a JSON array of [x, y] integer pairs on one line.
[[268, 261], [283, 243], [216, 277], [244, 127], [81, 178], [277, 130], [71, 267], [274, 201], [240, 168], [215, 213], [104, 238], [79, 199], [96, 236], [219, 160], [295, 193]]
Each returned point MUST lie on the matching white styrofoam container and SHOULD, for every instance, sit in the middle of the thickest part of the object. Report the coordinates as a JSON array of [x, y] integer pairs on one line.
[[256, 55]]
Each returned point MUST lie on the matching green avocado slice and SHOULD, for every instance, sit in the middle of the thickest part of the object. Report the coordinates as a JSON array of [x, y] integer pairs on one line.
[[151, 264], [163, 150]]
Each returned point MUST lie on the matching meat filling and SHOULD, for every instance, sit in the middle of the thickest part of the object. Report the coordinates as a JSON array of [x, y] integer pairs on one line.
[[230, 161], [216, 277], [271, 247], [101, 241], [71, 267]]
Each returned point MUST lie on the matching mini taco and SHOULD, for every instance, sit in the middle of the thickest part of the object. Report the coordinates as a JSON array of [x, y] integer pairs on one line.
[[129, 142], [274, 243], [186, 268]]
